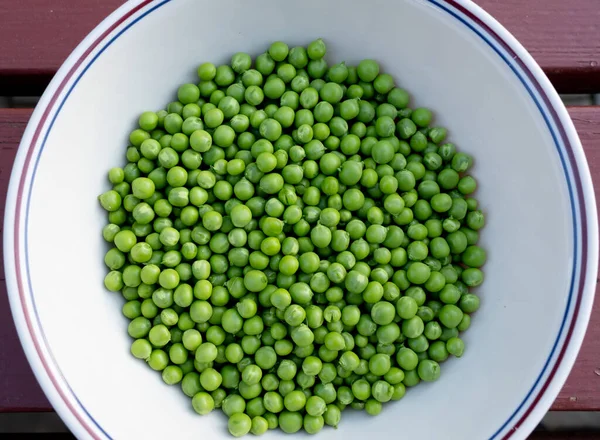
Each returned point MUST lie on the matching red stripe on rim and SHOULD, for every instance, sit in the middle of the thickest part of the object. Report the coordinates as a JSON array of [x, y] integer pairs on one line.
[[579, 195], [63, 394]]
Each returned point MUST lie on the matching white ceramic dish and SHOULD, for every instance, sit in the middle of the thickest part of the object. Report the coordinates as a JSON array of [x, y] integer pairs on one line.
[[535, 186]]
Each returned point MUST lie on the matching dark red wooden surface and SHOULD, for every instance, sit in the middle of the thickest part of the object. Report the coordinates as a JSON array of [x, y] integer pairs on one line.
[[582, 390], [19, 390], [37, 35]]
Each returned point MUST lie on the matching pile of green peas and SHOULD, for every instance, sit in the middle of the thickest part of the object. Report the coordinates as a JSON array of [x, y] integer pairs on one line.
[[292, 239]]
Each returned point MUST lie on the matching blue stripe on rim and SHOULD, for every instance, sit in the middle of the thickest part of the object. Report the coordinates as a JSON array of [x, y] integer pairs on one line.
[[437, 3], [100, 52], [510, 62], [576, 221]]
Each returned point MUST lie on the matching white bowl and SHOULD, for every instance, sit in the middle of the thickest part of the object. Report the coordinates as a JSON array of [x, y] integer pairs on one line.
[[535, 188]]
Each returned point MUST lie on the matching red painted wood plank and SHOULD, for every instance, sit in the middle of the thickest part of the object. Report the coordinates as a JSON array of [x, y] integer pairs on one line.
[[582, 390], [37, 35], [19, 390], [561, 35]]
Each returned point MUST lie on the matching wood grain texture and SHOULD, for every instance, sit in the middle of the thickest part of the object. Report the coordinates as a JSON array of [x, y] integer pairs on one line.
[[37, 35], [561, 35], [19, 390], [582, 390]]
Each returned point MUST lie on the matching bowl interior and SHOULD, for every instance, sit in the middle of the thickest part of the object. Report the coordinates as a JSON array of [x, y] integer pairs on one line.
[[446, 67]]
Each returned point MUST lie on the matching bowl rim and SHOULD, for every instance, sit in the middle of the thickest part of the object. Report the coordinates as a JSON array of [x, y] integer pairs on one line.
[[562, 357]]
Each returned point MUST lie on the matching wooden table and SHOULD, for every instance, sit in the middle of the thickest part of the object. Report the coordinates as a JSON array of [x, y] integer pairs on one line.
[[37, 35]]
